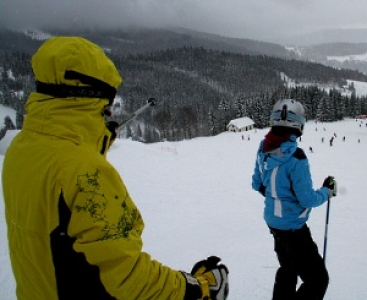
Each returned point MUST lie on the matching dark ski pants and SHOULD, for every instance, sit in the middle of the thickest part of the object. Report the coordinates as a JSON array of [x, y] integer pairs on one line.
[[298, 256]]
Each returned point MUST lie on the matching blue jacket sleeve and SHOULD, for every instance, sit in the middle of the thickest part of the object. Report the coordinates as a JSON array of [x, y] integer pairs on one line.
[[303, 187]]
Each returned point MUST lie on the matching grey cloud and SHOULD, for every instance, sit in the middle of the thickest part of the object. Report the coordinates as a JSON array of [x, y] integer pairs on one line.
[[237, 18]]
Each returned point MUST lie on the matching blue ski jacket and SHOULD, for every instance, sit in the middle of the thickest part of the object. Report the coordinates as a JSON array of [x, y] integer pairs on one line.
[[283, 177]]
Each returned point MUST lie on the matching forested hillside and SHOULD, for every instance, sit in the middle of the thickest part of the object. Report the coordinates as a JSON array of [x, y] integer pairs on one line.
[[200, 90]]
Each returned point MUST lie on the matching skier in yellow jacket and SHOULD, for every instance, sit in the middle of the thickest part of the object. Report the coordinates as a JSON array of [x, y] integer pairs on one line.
[[74, 231]]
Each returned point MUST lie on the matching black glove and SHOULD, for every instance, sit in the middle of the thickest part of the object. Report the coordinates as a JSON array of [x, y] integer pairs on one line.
[[330, 183], [262, 190], [208, 280]]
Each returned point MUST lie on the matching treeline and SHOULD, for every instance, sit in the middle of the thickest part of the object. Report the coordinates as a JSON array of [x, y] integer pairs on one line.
[[199, 90]]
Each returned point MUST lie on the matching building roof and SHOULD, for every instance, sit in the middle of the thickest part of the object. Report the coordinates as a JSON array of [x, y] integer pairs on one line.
[[242, 122]]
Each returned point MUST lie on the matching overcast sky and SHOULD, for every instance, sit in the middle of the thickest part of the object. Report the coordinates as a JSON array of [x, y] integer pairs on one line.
[[255, 19]]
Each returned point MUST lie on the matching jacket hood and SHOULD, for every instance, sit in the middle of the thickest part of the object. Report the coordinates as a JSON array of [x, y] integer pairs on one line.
[[280, 155], [60, 54], [76, 119]]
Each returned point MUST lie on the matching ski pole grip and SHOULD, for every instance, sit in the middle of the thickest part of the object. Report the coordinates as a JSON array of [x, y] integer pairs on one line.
[[151, 101]]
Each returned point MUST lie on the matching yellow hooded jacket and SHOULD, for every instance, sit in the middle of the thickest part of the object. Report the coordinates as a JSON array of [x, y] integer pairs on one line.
[[73, 230]]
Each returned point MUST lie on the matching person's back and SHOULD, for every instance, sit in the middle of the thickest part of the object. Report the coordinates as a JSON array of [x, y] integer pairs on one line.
[[58, 148], [73, 230]]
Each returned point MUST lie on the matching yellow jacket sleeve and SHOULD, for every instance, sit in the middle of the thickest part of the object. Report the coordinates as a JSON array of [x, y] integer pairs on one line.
[[108, 226]]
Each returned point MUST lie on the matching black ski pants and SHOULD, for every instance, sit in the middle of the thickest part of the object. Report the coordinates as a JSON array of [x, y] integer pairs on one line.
[[298, 257]]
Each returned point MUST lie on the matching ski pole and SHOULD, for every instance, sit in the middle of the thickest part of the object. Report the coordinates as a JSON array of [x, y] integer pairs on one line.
[[150, 102], [326, 229]]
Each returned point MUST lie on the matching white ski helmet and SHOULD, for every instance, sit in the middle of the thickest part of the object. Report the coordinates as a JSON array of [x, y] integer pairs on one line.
[[288, 113]]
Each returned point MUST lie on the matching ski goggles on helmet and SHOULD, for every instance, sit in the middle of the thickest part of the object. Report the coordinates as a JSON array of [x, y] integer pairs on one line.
[[95, 88], [290, 117]]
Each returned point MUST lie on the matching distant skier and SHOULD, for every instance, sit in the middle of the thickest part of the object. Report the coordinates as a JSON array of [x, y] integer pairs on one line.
[[282, 176], [311, 150], [331, 141]]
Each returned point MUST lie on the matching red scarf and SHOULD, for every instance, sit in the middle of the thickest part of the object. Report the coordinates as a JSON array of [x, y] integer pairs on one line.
[[273, 141]]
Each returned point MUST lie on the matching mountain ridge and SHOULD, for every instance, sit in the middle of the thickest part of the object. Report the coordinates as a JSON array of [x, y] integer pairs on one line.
[[135, 40]]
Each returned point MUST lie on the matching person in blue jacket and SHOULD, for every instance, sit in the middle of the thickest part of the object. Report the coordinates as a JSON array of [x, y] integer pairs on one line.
[[282, 176]]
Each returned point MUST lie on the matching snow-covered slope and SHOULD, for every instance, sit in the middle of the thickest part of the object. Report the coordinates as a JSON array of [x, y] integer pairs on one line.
[[196, 200]]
